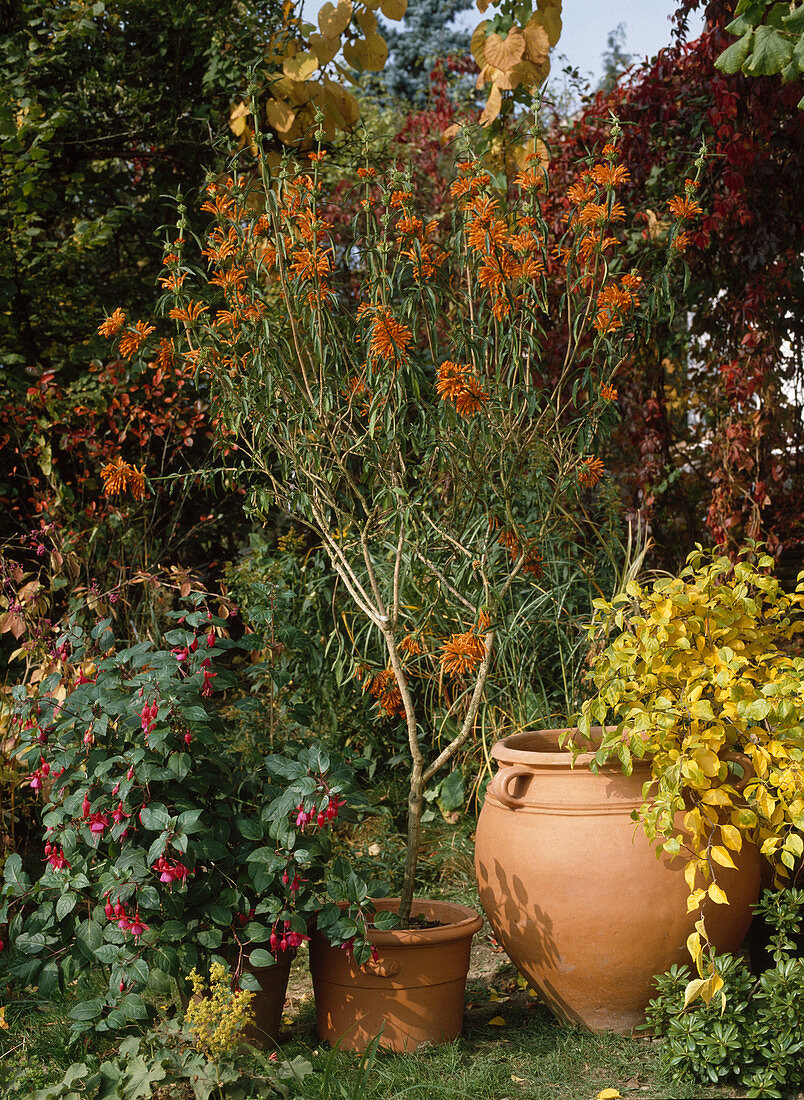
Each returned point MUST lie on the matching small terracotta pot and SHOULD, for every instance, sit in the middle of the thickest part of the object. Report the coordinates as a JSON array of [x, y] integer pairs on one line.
[[414, 991], [574, 890], [269, 999]]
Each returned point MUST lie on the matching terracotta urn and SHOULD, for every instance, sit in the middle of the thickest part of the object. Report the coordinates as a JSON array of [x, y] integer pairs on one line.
[[413, 992], [574, 890]]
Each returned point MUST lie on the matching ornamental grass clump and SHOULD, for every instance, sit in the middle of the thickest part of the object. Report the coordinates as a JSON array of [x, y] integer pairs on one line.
[[701, 675], [397, 390]]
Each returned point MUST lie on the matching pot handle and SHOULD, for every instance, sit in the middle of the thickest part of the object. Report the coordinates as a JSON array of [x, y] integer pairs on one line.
[[745, 763], [382, 969], [501, 782]]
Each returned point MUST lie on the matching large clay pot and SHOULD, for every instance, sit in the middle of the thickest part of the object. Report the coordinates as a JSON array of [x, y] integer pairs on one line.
[[414, 991], [574, 890]]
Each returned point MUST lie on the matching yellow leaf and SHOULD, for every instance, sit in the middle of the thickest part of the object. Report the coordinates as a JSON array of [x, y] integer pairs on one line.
[[505, 53], [721, 856], [482, 5], [694, 947], [608, 1094], [715, 797], [690, 872], [280, 115], [3, 1020], [367, 54], [478, 43], [367, 21], [393, 9], [731, 837], [333, 21], [497, 1021], [550, 18], [708, 762], [537, 50], [300, 67], [493, 106], [325, 49], [710, 987], [717, 895], [693, 990]]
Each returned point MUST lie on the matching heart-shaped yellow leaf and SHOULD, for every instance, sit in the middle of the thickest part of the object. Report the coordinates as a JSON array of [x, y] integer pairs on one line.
[[300, 67], [325, 49], [505, 53], [333, 21], [393, 9]]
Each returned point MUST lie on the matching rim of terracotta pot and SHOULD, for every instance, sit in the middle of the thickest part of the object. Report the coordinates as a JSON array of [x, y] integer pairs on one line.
[[520, 748], [462, 921]]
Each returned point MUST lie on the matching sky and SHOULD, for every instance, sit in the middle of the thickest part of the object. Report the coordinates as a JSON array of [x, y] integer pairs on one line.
[[586, 27]]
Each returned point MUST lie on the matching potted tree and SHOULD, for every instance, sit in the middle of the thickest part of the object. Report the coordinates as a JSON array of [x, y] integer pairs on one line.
[[395, 388]]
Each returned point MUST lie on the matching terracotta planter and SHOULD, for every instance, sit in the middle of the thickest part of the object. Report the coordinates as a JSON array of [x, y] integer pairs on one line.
[[269, 999], [573, 888], [414, 991]]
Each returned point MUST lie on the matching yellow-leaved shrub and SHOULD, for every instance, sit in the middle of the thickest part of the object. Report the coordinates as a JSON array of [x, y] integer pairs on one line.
[[701, 676]]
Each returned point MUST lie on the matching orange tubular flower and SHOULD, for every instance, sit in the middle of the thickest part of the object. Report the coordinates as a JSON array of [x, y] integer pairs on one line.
[[597, 214], [132, 340], [681, 242], [112, 325], [367, 173], [411, 645], [188, 314], [682, 207], [609, 175], [461, 654], [308, 265], [581, 192], [471, 399], [456, 383], [115, 476], [165, 354], [384, 688], [451, 379], [590, 472], [398, 198], [136, 482], [389, 338], [607, 392]]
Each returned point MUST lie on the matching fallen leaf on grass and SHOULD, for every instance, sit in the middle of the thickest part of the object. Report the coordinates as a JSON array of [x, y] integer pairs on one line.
[[498, 1021], [608, 1094]]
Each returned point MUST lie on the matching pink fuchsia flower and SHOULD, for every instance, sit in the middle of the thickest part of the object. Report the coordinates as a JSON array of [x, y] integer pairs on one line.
[[181, 653], [98, 823], [138, 926], [57, 861], [210, 639], [206, 687], [86, 806], [119, 814]]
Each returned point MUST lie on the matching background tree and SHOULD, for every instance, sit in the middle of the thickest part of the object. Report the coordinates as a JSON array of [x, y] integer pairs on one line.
[[615, 59], [426, 34]]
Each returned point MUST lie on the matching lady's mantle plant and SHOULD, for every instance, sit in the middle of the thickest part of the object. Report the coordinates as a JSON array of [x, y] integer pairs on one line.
[[392, 390], [160, 849], [701, 677]]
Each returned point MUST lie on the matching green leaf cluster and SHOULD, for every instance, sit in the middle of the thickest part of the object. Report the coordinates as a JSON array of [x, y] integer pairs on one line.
[[771, 41], [755, 1040]]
